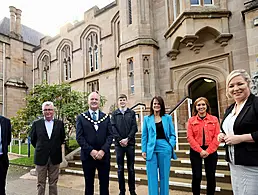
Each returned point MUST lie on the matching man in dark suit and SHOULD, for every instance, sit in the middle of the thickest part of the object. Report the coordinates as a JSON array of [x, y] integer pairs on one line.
[[94, 135], [47, 137], [5, 139]]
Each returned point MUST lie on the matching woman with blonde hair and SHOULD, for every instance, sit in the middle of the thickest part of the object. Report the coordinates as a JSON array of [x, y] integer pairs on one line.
[[240, 133], [202, 132]]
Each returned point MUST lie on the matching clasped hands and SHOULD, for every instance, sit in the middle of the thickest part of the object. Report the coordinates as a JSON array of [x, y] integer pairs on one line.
[[124, 142], [97, 155], [204, 154], [229, 139]]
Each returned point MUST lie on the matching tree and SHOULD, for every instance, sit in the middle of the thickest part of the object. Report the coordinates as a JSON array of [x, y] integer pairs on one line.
[[68, 104]]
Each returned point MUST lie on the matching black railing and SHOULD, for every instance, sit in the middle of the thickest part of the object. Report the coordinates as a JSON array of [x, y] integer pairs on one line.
[[139, 104], [178, 104]]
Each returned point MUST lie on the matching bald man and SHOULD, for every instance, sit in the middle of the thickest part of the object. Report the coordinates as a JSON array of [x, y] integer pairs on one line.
[[94, 135]]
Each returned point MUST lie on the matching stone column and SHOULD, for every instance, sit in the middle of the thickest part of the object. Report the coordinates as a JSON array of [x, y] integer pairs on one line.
[[64, 163], [18, 21], [12, 19]]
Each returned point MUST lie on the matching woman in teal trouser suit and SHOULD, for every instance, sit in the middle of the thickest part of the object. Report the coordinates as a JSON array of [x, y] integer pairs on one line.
[[158, 141]]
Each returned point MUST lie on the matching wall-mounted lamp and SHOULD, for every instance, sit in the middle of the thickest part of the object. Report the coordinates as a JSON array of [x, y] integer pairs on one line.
[[208, 80]]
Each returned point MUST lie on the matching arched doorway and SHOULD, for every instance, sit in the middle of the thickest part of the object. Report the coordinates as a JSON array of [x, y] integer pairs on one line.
[[205, 87]]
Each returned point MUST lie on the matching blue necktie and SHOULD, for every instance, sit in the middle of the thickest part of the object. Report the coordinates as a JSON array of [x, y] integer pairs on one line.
[[94, 116]]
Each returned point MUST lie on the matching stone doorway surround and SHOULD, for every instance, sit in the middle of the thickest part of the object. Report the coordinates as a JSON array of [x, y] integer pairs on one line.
[[182, 75]]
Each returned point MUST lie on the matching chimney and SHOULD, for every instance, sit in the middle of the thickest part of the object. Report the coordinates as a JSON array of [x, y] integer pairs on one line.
[[18, 21], [12, 19]]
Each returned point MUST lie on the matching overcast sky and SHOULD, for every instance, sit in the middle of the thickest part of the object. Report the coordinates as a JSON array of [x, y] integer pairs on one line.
[[49, 15]]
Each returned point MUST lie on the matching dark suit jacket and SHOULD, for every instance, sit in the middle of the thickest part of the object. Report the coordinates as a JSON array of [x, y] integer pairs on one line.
[[5, 133], [246, 122], [45, 147], [88, 138]]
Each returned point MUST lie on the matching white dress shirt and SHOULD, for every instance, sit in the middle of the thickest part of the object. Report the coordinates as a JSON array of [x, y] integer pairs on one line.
[[97, 114], [49, 126]]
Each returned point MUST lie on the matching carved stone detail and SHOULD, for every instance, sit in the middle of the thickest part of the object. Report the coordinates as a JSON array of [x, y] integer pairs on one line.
[[173, 54], [196, 48], [189, 40], [223, 39]]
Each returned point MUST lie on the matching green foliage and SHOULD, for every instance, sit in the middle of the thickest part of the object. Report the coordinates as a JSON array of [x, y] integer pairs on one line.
[[68, 104], [71, 145]]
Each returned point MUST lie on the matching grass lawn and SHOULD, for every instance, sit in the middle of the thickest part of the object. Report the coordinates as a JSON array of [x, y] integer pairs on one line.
[[25, 161], [24, 149]]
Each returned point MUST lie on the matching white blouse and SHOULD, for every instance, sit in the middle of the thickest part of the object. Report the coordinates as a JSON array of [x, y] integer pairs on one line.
[[228, 125]]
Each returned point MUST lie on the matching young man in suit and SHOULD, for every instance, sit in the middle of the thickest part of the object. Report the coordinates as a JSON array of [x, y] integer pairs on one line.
[[47, 137], [5, 139], [124, 129], [94, 135]]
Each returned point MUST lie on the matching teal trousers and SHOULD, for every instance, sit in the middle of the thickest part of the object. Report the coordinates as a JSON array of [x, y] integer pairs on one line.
[[158, 168]]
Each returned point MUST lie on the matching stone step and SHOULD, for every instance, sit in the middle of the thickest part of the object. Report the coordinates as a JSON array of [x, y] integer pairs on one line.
[[179, 153], [180, 162], [175, 183], [179, 172], [182, 133], [186, 146]]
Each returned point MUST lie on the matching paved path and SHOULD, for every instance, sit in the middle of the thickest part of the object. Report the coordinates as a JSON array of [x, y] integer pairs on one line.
[[20, 182]]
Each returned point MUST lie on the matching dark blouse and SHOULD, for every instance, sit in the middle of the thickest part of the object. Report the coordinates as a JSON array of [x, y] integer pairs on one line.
[[160, 131], [203, 137]]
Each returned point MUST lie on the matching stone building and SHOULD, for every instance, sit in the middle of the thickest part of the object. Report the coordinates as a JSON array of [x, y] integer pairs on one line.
[[17, 43], [172, 48]]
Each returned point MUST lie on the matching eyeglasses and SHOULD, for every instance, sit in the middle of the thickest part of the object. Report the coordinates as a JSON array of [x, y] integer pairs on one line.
[[48, 110], [201, 104]]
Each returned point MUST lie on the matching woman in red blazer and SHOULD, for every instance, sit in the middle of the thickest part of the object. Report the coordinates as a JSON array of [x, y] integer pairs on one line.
[[202, 132]]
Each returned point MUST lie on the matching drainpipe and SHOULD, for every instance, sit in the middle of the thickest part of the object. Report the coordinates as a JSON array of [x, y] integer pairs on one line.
[[33, 71], [3, 107]]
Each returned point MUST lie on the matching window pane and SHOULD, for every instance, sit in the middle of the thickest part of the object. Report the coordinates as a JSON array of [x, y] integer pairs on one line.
[[129, 12], [131, 65], [96, 58], [207, 1], [195, 2], [132, 89]]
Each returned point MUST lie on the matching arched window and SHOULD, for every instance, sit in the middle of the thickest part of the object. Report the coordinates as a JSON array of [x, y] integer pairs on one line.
[[93, 51], [45, 68], [66, 60]]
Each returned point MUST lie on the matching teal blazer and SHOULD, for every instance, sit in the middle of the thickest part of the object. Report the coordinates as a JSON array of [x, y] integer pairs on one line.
[[149, 134]]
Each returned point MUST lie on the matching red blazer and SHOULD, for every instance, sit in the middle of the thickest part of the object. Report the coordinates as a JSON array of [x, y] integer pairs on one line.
[[211, 127]]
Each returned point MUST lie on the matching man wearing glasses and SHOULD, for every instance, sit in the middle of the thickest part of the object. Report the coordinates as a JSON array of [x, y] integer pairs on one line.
[[47, 136]]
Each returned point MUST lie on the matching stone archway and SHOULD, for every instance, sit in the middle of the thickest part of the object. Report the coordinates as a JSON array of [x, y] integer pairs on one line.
[[195, 73], [205, 87]]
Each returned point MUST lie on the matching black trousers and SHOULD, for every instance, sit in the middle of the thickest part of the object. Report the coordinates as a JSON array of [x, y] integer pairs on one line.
[[210, 164], [89, 168], [129, 151], [4, 164]]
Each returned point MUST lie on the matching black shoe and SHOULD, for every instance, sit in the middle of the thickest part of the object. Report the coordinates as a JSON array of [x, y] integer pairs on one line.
[[133, 193]]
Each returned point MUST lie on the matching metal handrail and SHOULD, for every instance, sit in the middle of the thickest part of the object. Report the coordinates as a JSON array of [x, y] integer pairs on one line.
[[141, 111], [139, 104], [174, 111], [178, 104]]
